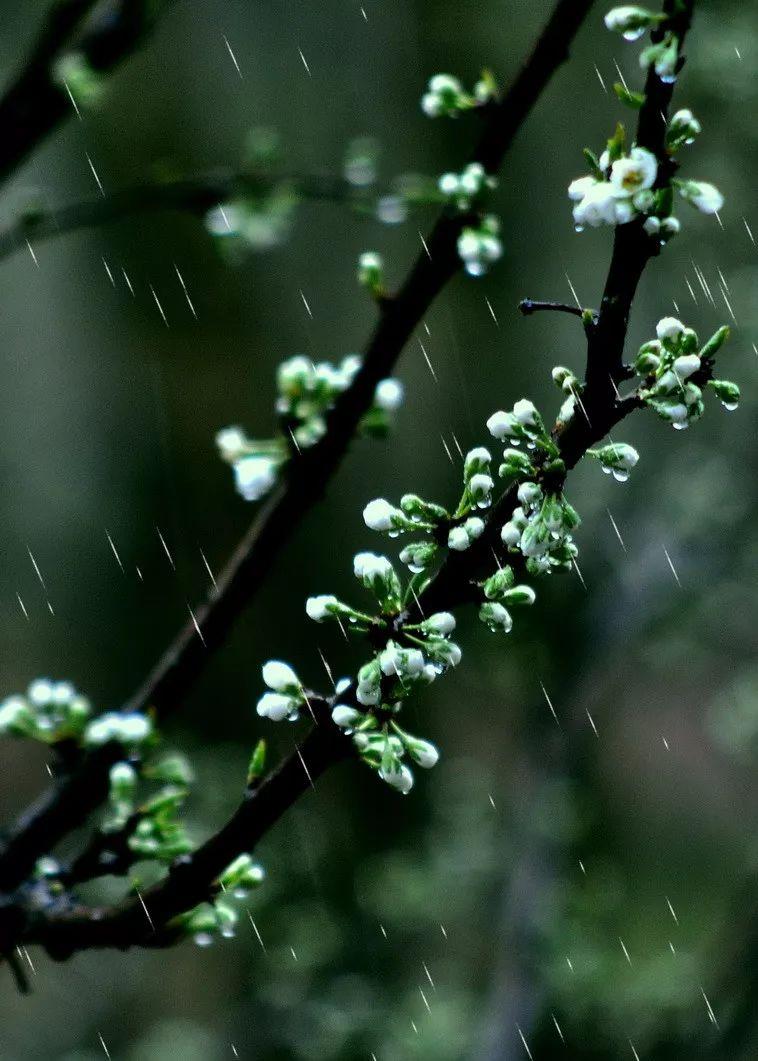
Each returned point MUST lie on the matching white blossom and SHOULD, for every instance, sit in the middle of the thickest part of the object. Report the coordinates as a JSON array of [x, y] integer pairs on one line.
[[317, 608], [279, 676], [526, 413], [458, 539], [276, 706], [686, 365], [669, 328], [499, 424], [232, 443], [345, 717], [378, 515], [634, 172], [423, 752], [398, 776], [389, 395], [254, 476], [442, 623], [702, 195]]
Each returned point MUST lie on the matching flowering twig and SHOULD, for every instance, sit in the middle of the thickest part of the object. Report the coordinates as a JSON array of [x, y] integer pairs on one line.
[[191, 195], [76, 795]]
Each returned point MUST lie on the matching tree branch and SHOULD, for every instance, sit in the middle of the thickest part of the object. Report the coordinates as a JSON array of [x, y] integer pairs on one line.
[[75, 796], [193, 195]]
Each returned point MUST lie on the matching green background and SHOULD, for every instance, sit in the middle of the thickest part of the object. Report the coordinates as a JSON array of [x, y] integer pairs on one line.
[[107, 419]]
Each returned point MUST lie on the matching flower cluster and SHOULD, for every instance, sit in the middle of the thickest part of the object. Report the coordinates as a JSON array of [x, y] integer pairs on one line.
[[633, 22], [157, 833], [253, 222], [219, 917], [446, 97], [674, 368], [480, 246], [49, 712], [466, 188], [625, 184], [285, 696], [307, 392]]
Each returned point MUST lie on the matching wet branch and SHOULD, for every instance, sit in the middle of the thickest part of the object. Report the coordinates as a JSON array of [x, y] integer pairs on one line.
[[191, 195], [75, 796]]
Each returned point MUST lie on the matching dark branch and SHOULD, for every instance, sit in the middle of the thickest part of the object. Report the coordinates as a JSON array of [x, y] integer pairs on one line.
[[75, 797], [528, 306]]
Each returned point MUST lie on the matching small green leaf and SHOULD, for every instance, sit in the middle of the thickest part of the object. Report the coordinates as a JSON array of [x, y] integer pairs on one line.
[[628, 98]]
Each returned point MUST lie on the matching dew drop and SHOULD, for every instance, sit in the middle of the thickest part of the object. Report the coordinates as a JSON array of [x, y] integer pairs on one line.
[[620, 475], [730, 406], [633, 34], [203, 939]]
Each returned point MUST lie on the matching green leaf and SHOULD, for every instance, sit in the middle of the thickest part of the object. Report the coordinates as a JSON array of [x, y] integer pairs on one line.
[[628, 98]]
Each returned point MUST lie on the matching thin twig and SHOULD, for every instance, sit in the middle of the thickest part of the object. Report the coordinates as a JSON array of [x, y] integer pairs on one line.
[[192, 195], [529, 305]]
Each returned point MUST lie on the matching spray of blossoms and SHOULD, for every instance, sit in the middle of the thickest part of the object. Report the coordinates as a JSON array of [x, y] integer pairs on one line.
[[518, 523], [306, 392], [627, 182]]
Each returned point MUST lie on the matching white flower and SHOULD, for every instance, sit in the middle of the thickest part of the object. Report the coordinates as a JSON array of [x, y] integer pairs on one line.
[[440, 83], [276, 706], [669, 328], [510, 535], [378, 515], [625, 211], [369, 566], [442, 623], [705, 197], [634, 173], [449, 183], [317, 608], [130, 729], [597, 208], [529, 493], [279, 676], [399, 777], [480, 486], [14, 712], [254, 476], [499, 424], [232, 443], [389, 395], [370, 261], [345, 717], [41, 692], [423, 752], [580, 187], [686, 365], [496, 616], [526, 413], [458, 539], [368, 694], [123, 778], [474, 527], [630, 20], [431, 105]]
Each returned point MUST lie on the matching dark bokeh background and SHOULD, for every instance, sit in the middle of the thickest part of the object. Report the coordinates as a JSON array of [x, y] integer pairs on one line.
[[515, 869]]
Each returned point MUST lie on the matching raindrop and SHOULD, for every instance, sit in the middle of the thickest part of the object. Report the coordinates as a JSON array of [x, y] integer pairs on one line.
[[203, 939]]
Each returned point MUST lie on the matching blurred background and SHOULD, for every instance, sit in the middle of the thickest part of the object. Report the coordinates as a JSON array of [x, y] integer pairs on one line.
[[593, 892]]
